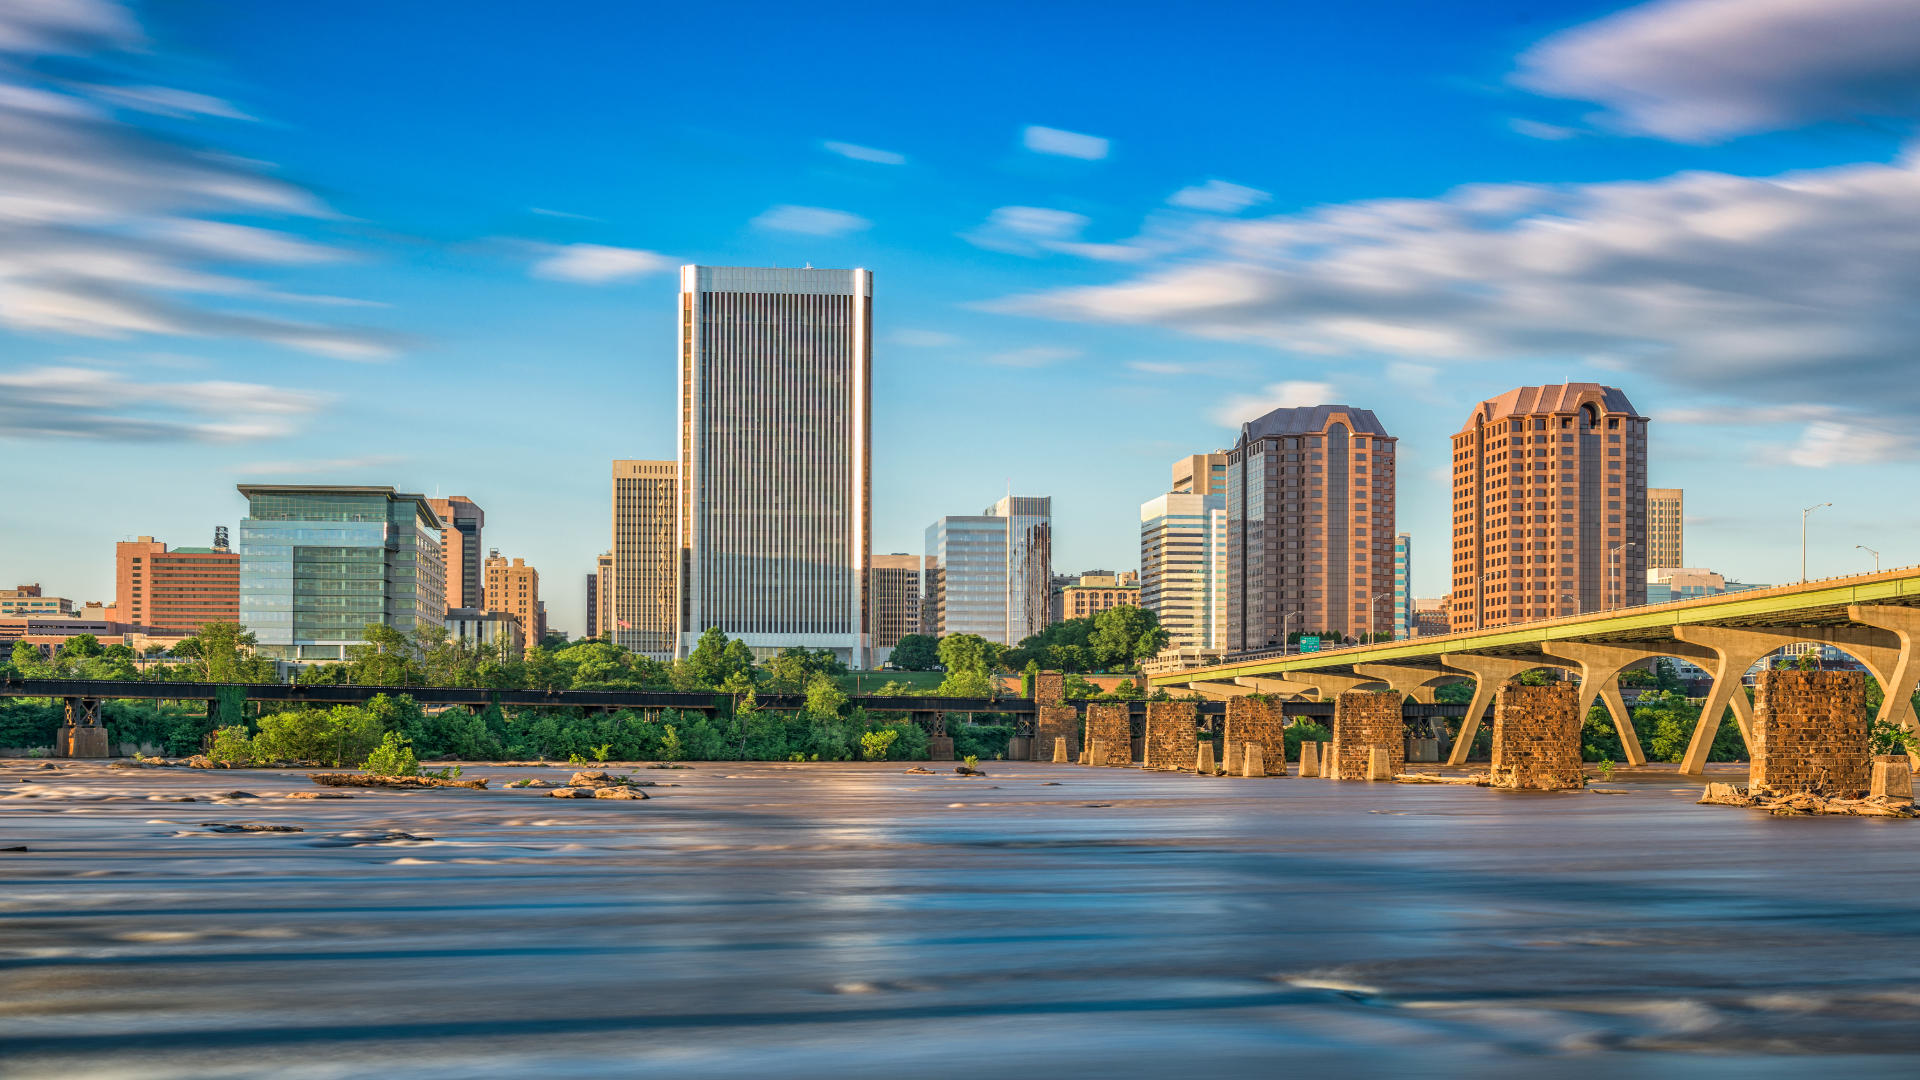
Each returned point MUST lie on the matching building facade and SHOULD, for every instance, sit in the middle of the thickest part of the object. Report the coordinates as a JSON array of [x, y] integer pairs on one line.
[[513, 588], [493, 630], [461, 521], [1029, 524], [318, 563], [168, 593], [1666, 527], [640, 599], [1310, 516], [774, 523], [1183, 567], [966, 577], [1403, 618], [27, 600], [1094, 593], [894, 590], [1201, 474], [1669, 583], [1549, 506]]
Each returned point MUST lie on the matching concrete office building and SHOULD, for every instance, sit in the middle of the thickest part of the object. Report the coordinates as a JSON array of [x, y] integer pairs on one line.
[[513, 588], [641, 596], [1183, 567], [461, 521], [1666, 527], [1669, 583], [320, 562], [966, 576], [1549, 506], [775, 457], [173, 593], [494, 630], [1310, 505], [894, 590], [1403, 617], [1200, 474]]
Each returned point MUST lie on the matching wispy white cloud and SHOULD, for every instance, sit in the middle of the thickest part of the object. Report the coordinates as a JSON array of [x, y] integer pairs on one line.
[[1796, 288], [1828, 443], [71, 402], [923, 339], [1033, 356], [566, 214], [864, 153], [1218, 196], [1159, 367], [1237, 409], [811, 221], [1535, 129], [597, 264], [1046, 140], [1702, 71], [1036, 230], [107, 230]]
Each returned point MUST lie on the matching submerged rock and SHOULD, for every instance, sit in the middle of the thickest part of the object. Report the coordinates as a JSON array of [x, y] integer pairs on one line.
[[618, 793], [571, 793], [225, 826], [369, 780], [318, 795]]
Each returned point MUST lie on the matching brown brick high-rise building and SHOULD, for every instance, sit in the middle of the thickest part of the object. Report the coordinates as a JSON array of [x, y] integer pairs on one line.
[[461, 520], [515, 589], [894, 591], [1549, 506], [641, 592], [175, 592], [1309, 526]]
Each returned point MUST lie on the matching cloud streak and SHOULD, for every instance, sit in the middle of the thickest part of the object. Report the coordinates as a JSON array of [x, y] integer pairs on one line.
[[1703, 71], [106, 230], [68, 402], [597, 264], [1046, 140], [864, 153], [811, 221]]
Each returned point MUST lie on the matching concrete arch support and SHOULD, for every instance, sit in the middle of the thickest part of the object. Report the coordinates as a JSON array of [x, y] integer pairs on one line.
[[1284, 688], [1220, 691], [1489, 673], [1902, 677], [1403, 679], [1734, 651], [1330, 684], [1600, 667]]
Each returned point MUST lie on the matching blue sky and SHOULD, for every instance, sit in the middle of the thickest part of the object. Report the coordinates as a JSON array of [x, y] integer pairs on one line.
[[431, 244]]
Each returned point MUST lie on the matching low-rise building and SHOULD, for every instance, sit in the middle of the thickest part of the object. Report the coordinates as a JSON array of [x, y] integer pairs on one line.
[[488, 629], [1669, 583], [1098, 590], [29, 600], [173, 593]]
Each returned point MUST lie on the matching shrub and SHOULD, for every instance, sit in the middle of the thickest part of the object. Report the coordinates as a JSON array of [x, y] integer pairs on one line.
[[393, 757], [875, 744], [336, 737], [232, 746]]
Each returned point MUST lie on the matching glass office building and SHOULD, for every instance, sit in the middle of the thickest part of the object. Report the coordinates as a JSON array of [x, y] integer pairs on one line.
[[967, 576], [1183, 567], [318, 563]]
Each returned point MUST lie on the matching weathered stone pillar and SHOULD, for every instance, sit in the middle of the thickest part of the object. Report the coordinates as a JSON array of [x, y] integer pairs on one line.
[[1536, 737], [1252, 759], [1172, 734], [1051, 722], [1251, 720], [1379, 764], [1810, 730], [1109, 730], [1892, 778], [1203, 759], [1309, 758], [1060, 752], [1363, 720]]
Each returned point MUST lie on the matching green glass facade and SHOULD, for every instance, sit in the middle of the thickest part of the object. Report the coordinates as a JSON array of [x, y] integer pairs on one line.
[[317, 564]]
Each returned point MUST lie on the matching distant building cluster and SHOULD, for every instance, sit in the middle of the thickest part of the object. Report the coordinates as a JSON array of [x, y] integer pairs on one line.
[[761, 526]]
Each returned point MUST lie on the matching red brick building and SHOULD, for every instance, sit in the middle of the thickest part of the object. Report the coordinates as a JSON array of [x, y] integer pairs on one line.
[[167, 593]]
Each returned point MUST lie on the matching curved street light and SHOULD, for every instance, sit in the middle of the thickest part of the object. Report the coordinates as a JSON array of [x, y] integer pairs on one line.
[[1803, 537], [1868, 550]]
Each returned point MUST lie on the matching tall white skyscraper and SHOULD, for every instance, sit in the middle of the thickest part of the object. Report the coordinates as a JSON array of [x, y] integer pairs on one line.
[[1183, 567], [776, 457]]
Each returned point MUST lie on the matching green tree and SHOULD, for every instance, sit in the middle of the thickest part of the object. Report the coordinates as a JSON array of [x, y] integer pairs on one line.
[[1125, 634], [915, 652], [824, 696], [388, 658], [393, 757], [338, 736], [222, 652], [965, 656], [81, 647]]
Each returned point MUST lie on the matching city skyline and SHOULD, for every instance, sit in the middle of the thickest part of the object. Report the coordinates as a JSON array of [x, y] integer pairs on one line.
[[1037, 249]]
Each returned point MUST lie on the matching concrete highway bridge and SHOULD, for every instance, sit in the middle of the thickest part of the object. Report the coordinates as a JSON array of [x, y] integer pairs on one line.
[[1872, 617]]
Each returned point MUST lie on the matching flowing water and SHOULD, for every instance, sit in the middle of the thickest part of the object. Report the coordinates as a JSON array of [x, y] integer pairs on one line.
[[855, 921]]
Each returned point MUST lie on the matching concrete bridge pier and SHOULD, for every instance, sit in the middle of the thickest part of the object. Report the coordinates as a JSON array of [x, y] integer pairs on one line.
[[1489, 674], [1285, 689], [1902, 677], [1600, 666]]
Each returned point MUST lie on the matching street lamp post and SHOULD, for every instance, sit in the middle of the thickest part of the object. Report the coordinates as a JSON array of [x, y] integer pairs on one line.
[[1373, 617], [1285, 645], [1804, 514], [1617, 595], [1862, 547]]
